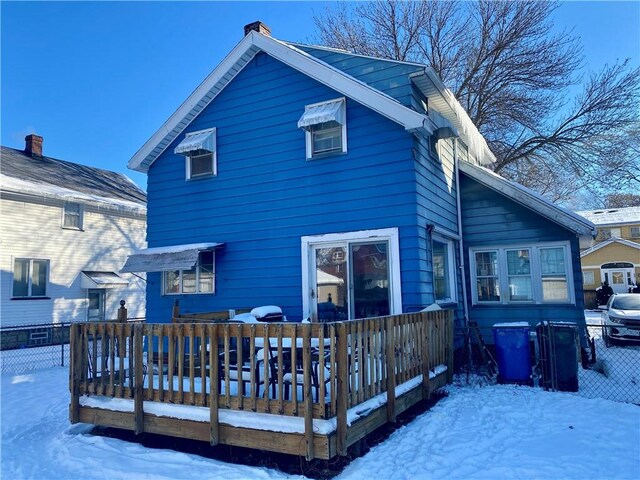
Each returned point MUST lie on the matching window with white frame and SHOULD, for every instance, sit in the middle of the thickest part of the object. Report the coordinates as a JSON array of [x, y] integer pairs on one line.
[[199, 279], [199, 150], [635, 232], [72, 214], [588, 278], [325, 128], [30, 278], [524, 274], [444, 277]]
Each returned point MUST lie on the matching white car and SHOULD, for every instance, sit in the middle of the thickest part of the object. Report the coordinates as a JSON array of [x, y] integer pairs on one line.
[[621, 319]]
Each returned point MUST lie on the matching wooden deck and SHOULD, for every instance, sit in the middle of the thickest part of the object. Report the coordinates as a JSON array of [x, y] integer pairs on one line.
[[308, 389]]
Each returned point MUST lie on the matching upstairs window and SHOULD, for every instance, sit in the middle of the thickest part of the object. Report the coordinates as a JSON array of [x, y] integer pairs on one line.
[[72, 214], [325, 128], [635, 232], [30, 278], [199, 150], [199, 279]]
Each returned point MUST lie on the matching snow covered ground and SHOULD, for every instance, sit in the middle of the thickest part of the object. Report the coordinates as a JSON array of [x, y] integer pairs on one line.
[[490, 432]]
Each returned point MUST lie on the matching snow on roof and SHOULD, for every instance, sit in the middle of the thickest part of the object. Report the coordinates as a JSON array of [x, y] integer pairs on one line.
[[612, 216], [43, 190], [177, 248], [529, 199]]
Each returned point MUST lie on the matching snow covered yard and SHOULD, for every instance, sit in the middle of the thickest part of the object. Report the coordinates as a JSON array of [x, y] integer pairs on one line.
[[489, 432]]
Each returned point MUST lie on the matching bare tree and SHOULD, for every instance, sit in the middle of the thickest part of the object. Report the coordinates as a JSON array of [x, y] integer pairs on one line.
[[517, 81]]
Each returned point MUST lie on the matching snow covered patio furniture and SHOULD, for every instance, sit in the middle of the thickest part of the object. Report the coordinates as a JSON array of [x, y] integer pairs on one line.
[[350, 378]]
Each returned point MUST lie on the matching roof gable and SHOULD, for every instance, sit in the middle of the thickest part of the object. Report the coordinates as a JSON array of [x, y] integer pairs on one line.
[[606, 243], [236, 60], [529, 199]]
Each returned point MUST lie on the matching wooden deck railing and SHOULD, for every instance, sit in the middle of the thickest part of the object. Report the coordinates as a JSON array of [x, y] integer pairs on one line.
[[315, 371]]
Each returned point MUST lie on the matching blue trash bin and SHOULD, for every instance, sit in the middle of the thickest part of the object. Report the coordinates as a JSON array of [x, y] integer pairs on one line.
[[513, 352]]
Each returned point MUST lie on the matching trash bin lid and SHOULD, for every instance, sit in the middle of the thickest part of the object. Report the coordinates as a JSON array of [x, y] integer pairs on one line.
[[511, 324]]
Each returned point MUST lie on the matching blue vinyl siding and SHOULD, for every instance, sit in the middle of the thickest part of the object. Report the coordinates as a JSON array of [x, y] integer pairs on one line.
[[267, 195], [489, 218], [389, 77]]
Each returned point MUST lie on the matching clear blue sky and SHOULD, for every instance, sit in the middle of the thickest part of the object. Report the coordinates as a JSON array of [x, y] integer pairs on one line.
[[96, 80]]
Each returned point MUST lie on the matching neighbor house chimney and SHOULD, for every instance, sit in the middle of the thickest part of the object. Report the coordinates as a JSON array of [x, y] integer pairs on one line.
[[258, 27], [33, 145]]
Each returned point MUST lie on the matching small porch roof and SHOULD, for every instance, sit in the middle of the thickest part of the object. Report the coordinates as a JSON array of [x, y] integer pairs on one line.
[[91, 279]]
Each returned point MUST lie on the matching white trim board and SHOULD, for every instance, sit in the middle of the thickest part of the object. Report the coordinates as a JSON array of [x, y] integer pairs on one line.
[[529, 199], [236, 60]]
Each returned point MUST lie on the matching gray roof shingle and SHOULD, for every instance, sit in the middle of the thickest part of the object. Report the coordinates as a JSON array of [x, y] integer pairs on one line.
[[72, 176]]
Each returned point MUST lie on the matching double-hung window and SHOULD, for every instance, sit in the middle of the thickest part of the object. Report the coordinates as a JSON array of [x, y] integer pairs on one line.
[[199, 150], [30, 278], [199, 279], [444, 277], [635, 232], [72, 216], [325, 128], [524, 274]]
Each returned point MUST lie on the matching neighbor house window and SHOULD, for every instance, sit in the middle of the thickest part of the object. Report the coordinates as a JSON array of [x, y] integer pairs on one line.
[[588, 277], [199, 279], [528, 274], [444, 284], [635, 232], [607, 233], [325, 128], [30, 278], [72, 216], [199, 150]]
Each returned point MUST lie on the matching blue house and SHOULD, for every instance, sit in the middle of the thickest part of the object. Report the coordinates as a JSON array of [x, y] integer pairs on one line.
[[341, 186]]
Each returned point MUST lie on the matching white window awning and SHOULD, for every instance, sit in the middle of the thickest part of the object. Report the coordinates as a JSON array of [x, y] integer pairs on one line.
[[101, 280], [332, 111], [161, 259], [201, 140]]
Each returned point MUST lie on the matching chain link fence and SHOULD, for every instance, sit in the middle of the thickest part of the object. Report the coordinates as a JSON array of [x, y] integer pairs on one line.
[[30, 347], [606, 369]]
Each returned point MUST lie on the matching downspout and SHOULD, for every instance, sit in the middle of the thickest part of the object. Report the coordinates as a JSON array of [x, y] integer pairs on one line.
[[463, 275]]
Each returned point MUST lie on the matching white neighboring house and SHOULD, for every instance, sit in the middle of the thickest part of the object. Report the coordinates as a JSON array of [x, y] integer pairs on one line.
[[65, 231]]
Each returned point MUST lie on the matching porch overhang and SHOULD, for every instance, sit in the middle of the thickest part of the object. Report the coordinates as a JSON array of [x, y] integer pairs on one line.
[[161, 259], [91, 279]]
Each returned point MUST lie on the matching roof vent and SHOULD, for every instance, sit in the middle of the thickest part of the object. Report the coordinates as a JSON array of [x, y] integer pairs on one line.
[[33, 145], [257, 27]]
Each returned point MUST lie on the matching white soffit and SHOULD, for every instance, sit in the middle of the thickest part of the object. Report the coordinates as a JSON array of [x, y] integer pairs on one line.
[[161, 259], [235, 61], [529, 199]]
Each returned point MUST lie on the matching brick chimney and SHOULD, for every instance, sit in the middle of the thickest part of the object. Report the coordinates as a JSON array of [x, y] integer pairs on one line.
[[258, 27], [33, 145]]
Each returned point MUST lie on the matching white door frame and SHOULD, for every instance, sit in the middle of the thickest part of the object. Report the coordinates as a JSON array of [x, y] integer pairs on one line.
[[625, 272], [388, 234]]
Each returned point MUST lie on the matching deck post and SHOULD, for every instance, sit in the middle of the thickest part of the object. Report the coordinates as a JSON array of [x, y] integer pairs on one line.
[[342, 394], [214, 438], [426, 379], [138, 380], [308, 396], [122, 312], [391, 368], [450, 345], [74, 407]]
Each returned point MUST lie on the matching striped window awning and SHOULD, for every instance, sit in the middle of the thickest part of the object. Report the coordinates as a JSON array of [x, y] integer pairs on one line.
[[201, 140], [162, 259], [332, 111]]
